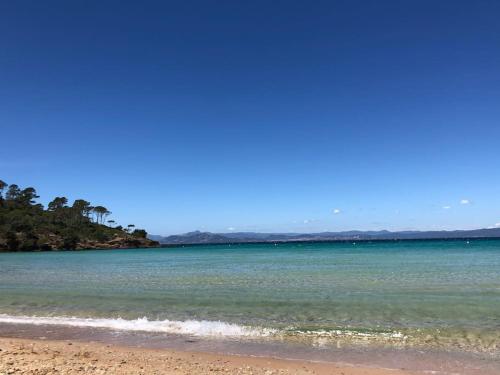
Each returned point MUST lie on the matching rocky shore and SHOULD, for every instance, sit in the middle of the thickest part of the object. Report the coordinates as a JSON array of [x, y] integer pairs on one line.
[[117, 242]]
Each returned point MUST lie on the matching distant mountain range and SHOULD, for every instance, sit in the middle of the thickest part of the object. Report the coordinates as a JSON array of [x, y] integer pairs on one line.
[[198, 237]]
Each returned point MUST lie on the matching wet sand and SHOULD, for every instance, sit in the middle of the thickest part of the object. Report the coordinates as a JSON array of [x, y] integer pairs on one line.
[[43, 357]]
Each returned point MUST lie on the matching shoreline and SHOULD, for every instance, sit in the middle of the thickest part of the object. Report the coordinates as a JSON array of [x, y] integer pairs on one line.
[[28, 356], [3, 251], [63, 348]]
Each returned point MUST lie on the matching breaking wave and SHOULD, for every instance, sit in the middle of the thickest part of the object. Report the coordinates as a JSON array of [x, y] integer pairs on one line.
[[207, 328], [187, 327]]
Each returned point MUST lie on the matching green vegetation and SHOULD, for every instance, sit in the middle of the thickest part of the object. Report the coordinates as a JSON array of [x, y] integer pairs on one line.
[[26, 225]]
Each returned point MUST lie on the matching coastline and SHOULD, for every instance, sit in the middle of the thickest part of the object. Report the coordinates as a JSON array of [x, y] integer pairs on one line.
[[34, 348], [26, 356], [79, 249], [114, 244]]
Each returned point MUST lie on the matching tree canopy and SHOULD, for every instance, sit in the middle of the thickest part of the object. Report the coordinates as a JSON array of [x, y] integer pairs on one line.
[[26, 225]]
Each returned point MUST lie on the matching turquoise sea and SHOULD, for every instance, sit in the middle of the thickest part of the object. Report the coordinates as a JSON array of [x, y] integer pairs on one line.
[[421, 294]]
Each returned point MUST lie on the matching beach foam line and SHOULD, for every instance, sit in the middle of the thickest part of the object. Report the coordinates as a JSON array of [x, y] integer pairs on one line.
[[200, 328], [187, 327], [338, 333]]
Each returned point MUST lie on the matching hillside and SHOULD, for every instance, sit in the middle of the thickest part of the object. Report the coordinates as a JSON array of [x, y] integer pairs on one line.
[[249, 237], [26, 225]]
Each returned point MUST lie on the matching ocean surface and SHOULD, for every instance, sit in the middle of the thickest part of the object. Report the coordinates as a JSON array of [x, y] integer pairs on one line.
[[441, 296]]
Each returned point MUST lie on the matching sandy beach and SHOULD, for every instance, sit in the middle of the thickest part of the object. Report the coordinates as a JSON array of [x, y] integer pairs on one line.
[[37, 357]]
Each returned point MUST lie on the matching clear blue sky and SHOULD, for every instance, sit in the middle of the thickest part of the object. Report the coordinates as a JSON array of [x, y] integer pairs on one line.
[[256, 115]]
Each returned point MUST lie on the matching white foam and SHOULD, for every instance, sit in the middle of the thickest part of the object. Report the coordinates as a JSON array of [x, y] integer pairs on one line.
[[187, 327], [337, 333]]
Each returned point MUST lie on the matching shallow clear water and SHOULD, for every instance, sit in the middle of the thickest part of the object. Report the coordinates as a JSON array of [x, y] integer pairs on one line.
[[438, 294]]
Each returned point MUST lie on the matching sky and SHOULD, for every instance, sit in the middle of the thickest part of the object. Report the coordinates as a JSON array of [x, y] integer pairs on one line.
[[269, 116]]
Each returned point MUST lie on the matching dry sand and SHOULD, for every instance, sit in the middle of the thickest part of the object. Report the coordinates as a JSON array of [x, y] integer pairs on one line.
[[37, 357]]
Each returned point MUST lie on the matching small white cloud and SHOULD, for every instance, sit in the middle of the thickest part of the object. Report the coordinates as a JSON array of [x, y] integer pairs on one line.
[[231, 228], [465, 201], [446, 207], [497, 225], [307, 221], [336, 211]]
